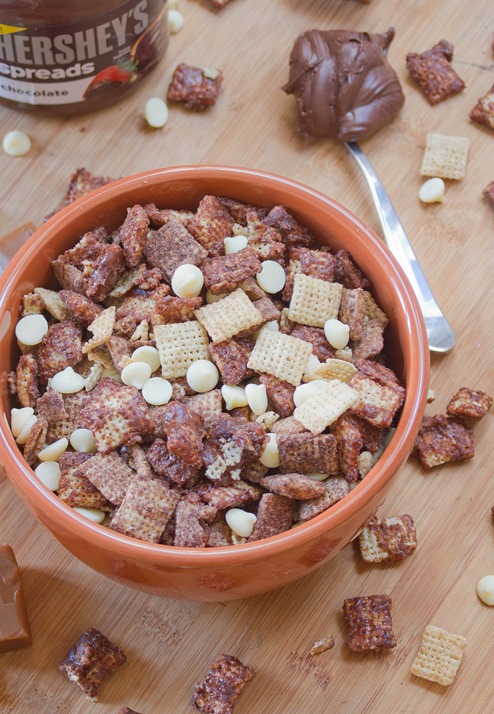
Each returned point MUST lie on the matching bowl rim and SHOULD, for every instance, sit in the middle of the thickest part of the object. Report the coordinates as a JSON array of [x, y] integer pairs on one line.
[[366, 489]]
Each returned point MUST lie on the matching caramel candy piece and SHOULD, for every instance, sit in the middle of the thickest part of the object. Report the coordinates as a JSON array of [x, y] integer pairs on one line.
[[14, 625]]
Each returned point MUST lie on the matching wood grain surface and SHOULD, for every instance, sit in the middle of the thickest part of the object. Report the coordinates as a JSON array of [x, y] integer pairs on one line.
[[169, 643]]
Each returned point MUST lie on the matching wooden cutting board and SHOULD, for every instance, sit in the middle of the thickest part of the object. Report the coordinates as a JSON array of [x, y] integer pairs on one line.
[[170, 644]]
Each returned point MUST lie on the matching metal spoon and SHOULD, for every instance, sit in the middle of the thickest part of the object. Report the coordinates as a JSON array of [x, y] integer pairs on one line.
[[440, 335]]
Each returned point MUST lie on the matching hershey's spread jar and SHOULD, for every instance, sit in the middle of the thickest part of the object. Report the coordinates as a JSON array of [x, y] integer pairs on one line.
[[79, 55]]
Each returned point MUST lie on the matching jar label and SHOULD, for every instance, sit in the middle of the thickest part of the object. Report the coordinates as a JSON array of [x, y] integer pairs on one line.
[[68, 64]]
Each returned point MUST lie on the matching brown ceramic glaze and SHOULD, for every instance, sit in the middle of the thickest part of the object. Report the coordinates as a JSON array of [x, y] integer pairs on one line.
[[236, 571]]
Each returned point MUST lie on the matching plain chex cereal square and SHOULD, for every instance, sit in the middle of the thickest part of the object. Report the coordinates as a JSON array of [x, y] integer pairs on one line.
[[281, 355], [445, 156], [332, 369], [318, 412], [314, 301], [439, 656], [233, 314], [179, 344]]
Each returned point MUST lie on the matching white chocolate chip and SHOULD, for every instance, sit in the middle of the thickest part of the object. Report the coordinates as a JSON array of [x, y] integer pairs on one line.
[[53, 451], [172, 4], [187, 281], [312, 364], [317, 477], [270, 457], [337, 333], [485, 589], [234, 397], [210, 297], [136, 374], [271, 277], [272, 325], [202, 375], [16, 143], [92, 514], [148, 354], [67, 381], [23, 436], [307, 390], [31, 329], [432, 191], [210, 72], [82, 440], [176, 21], [235, 243], [157, 391], [19, 418], [257, 398], [156, 112], [241, 522], [49, 474], [431, 395], [344, 354]]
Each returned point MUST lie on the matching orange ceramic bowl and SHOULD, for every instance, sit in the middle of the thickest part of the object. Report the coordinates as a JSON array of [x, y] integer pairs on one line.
[[244, 570]]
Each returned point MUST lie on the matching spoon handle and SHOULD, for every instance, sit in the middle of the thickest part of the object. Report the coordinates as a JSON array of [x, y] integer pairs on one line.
[[440, 334]]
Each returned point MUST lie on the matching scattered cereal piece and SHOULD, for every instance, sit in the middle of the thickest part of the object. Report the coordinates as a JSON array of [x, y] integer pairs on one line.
[[31, 329], [222, 686], [156, 112], [439, 656], [488, 192], [442, 439], [126, 710], [445, 156], [16, 143], [327, 643], [91, 660], [388, 539], [469, 403], [369, 623], [433, 72], [175, 21], [431, 395], [432, 191], [485, 589], [483, 111], [193, 88]]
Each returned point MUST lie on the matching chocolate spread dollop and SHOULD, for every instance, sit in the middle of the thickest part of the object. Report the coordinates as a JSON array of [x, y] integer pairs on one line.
[[343, 83]]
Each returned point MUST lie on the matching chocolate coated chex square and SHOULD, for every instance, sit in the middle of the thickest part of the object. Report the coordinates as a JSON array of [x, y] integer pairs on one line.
[[211, 224], [146, 509], [377, 403], [306, 453], [386, 540], [469, 403], [116, 414], [223, 684], [336, 488], [110, 474], [75, 489], [433, 72], [91, 660], [195, 87], [274, 515], [442, 439], [369, 623], [483, 111], [172, 246]]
